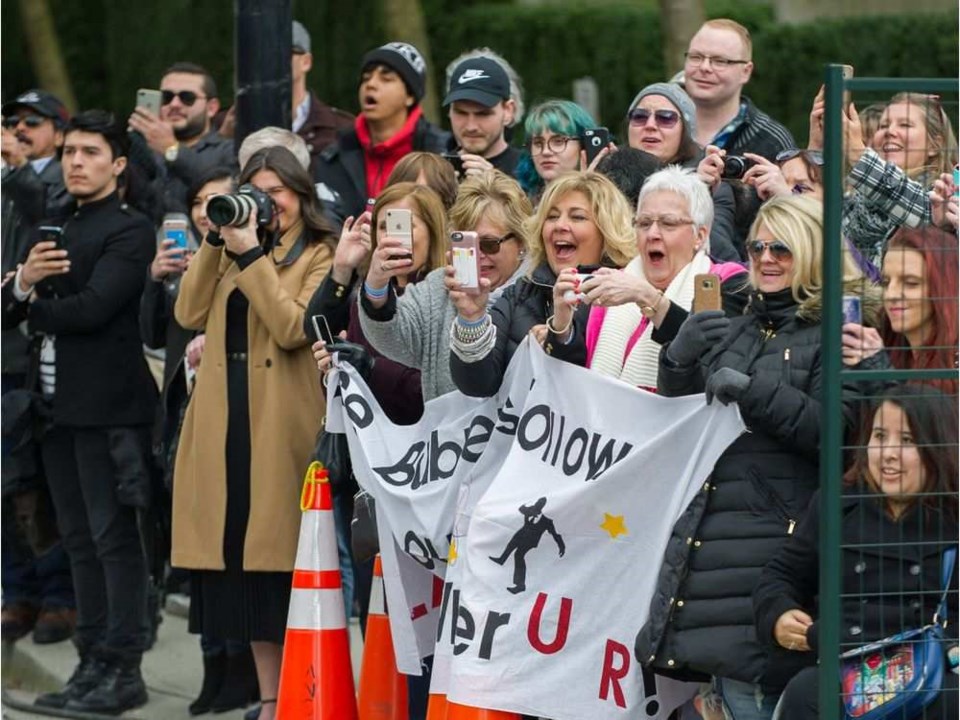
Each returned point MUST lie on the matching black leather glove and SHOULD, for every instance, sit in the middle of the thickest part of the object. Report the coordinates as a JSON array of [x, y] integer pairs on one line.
[[356, 355], [699, 332], [726, 385]]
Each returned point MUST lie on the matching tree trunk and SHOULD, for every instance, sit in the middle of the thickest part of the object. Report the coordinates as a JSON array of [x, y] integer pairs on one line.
[[44, 48], [680, 20], [405, 23]]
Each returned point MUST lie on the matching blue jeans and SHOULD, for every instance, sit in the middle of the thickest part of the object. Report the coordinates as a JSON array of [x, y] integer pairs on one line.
[[743, 700], [342, 515]]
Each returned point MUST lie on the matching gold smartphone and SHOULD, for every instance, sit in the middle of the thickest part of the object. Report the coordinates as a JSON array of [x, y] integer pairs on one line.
[[706, 292], [847, 96]]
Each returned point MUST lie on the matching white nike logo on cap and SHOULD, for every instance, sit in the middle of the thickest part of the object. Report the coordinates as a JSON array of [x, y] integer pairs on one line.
[[469, 75]]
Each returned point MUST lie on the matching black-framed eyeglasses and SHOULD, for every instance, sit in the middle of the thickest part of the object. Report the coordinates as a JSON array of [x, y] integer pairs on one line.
[[556, 144], [31, 121], [187, 97], [813, 156], [778, 249], [664, 119], [695, 59], [490, 244]]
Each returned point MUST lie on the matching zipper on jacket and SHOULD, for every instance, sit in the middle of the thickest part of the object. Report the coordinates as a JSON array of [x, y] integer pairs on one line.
[[786, 365], [771, 497]]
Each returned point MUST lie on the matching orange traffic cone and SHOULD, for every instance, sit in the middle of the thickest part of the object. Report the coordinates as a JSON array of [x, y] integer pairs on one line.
[[383, 690], [437, 707], [316, 677], [462, 712]]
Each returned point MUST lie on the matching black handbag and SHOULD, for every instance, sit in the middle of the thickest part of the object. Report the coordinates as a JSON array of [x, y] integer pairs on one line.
[[364, 541], [332, 450]]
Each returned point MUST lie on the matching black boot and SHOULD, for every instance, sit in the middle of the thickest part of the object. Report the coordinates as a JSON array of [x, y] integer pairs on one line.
[[240, 687], [121, 688], [214, 670], [84, 678]]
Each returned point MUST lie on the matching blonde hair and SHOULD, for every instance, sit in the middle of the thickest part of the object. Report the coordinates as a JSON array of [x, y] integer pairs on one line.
[[940, 135], [611, 214], [492, 193], [438, 173], [428, 207], [797, 221], [734, 27]]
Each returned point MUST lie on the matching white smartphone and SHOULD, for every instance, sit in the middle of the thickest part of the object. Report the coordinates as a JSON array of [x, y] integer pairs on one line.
[[465, 256], [400, 225], [149, 99]]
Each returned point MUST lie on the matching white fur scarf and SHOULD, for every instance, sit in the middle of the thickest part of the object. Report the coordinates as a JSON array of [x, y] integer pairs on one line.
[[620, 322]]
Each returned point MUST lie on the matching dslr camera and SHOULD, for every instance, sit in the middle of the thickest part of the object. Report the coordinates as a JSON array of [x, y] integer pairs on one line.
[[734, 167], [234, 210]]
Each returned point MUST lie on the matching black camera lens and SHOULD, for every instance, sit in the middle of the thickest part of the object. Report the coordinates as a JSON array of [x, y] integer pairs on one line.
[[734, 167]]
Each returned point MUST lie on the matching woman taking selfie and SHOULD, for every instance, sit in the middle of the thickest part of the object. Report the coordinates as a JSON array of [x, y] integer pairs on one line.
[[768, 362], [634, 311], [920, 295], [898, 516], [583, 221], [236, 483]]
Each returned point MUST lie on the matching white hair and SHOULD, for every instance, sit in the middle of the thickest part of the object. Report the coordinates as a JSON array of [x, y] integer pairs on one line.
[[686, 184], [272, 137], [516, 84]]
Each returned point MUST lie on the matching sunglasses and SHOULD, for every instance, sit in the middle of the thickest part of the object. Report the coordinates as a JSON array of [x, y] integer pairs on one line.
[[778, 249], [31, 121], [814, 157], [665, 119], [490, 245], [187, 97]]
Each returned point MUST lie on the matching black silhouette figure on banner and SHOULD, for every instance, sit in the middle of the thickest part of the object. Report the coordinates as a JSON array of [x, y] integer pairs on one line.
[[535, 524]]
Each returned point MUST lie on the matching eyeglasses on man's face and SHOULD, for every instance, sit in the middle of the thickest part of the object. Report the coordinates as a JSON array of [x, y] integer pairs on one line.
[[31, 121], [695, 59], [187, 97]]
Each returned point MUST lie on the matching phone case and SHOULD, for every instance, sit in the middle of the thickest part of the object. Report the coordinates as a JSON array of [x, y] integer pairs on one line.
[[706, 292], [595, 140], [176, 232], [465, 259]]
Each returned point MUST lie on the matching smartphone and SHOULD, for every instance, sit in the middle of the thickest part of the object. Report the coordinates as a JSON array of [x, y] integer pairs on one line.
[[593, 141], [956, 180], [706, 292], [321, 329], [847, 75], [457, 162], [149, 99], [176, 230], [52, 233], [465, 252], [851, 310], [400, 225]]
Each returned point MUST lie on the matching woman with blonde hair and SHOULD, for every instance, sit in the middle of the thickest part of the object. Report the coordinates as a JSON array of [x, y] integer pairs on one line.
[[768, 362], [914, 147], [583, 221], [415, 329], [428, 169]]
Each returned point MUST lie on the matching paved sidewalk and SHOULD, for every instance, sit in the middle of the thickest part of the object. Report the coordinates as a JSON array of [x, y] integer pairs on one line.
[[173, 670]]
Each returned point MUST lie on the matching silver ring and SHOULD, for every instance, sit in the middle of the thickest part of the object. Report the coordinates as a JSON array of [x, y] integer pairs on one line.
[[383, 266]]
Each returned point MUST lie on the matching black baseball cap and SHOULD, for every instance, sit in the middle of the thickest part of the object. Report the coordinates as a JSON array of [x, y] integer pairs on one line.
[[42, 103], [480, 80]]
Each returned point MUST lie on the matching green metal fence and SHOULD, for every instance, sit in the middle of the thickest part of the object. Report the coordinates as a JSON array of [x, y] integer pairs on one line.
[[834, 372]]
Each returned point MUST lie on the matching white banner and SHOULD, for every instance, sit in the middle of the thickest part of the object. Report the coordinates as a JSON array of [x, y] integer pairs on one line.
[[554, 501]]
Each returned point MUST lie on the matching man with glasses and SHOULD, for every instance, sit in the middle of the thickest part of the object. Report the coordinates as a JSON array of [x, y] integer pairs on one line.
[[313, 120], [718, 65], [37, 588], [182, 137]]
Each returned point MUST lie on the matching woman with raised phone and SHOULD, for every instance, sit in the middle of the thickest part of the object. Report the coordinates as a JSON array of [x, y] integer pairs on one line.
[[898, 517]]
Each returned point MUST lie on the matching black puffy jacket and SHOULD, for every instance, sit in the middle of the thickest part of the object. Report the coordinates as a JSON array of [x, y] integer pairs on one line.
[[526, 303], [701, 617]]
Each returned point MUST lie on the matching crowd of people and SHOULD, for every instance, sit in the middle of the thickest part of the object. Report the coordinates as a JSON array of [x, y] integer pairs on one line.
[[114, 239]]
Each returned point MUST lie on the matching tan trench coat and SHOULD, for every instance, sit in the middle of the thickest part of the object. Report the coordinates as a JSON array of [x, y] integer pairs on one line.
[[286, 407]]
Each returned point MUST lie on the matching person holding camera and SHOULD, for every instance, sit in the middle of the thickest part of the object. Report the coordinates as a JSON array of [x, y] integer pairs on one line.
[[235, 514]]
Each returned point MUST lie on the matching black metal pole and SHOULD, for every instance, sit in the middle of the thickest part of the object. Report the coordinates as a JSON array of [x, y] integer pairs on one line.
[[262, 61]]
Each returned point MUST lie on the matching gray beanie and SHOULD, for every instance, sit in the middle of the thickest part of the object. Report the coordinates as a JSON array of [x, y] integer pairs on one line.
[[678, 96]]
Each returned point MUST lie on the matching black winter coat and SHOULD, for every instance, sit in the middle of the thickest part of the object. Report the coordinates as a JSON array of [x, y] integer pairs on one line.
[[891, 574], [701, 617], [526, 303]]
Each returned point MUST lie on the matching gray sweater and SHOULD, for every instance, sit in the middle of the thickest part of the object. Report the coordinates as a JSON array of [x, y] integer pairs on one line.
[[415, 330]]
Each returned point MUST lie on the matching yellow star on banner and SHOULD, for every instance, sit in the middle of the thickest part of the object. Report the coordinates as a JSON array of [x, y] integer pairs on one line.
[[613, 524], [452, 554]]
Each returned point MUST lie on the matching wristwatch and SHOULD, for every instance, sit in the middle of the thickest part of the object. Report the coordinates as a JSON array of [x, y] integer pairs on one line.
[[648, 311], [170, 154]]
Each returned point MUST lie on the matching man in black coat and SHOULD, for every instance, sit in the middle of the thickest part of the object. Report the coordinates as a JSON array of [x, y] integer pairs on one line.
[[81, 297], [37, 588], [390, 125]]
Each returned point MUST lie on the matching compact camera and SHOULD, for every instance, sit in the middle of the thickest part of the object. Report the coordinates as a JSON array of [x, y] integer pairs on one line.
[[234, 210], [734, 167]]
